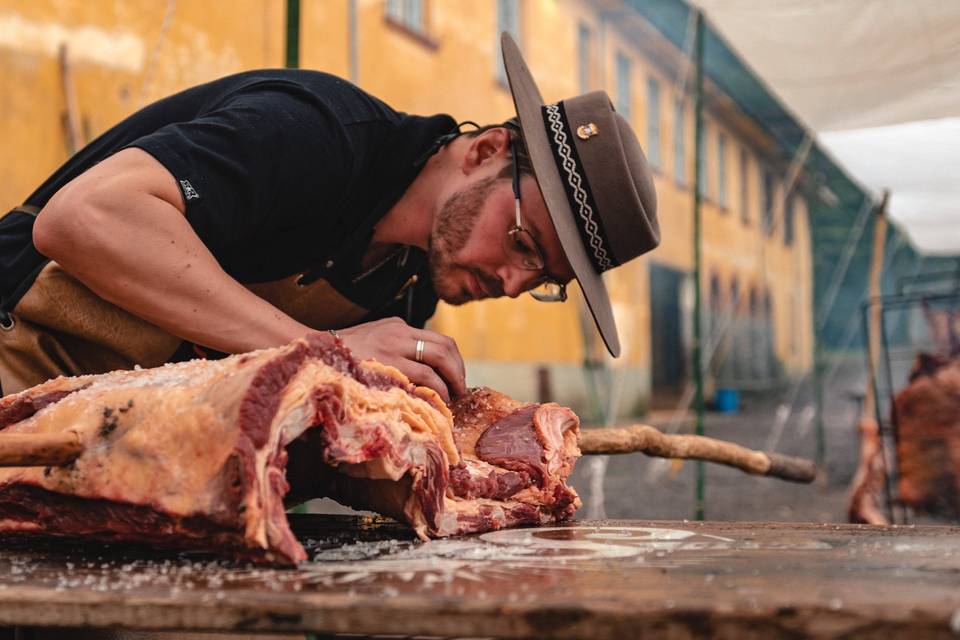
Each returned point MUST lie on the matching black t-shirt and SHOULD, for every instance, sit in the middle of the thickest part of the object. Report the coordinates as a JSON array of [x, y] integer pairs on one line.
[[281, 171]]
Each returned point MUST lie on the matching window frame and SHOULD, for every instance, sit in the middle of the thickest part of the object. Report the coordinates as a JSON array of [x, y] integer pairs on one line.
[[584, 56], [703, 186], [744, 186], [399, 17], [722, 196], [769, 190], [514, 28], [654, 139], [680, 142], [624, 70]]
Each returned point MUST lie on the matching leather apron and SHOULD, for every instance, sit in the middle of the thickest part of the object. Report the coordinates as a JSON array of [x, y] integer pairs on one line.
[[60, 327]]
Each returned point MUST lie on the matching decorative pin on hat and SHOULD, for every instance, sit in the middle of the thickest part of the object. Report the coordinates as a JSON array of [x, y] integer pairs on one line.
[[587, 131]]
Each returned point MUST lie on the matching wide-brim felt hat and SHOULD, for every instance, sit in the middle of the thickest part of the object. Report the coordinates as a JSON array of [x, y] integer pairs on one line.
[[594, 179]]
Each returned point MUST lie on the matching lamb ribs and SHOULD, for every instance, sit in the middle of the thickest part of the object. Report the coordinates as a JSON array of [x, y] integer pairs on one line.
[[203, 454]]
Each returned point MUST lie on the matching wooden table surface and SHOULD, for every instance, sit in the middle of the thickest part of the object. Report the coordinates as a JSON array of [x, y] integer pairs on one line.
[[609, 579]]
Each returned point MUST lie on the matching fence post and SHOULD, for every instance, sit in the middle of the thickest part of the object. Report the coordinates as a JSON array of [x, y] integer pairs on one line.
[[697, 259]]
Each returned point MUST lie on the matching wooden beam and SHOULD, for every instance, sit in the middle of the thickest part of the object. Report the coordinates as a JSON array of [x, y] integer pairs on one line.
[[73, 127]]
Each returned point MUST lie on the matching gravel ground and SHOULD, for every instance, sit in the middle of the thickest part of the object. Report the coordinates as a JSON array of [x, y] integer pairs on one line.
[[636, 486]]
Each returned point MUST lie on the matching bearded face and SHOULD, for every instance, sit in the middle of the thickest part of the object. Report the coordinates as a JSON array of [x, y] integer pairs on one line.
[[452, 229]]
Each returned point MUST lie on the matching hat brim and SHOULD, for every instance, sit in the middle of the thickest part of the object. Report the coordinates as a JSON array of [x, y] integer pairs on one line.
[[528, 103]]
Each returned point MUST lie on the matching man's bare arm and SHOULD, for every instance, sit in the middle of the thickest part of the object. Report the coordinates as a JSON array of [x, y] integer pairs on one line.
[[120, 229]]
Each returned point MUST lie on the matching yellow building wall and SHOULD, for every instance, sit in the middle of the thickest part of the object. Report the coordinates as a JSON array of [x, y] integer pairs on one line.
[[122, 55], [126, 53]]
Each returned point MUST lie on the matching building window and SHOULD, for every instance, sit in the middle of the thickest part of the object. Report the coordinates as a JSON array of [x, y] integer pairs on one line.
[[714, 320], [508, 19], [794, 316], [583, 57], [767, 202], [722, 170], [653, 122], [679, 143], [715, 302], [408, 13], [788, 215], [703, 181], [744, 186], [623, 86], [768, 354], [738, 335]]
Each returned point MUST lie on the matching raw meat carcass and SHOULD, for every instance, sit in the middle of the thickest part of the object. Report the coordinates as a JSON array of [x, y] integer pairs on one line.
[[195, 454], [944, 326], [928, 429], [512, 463], [867, 484], [516, 451]]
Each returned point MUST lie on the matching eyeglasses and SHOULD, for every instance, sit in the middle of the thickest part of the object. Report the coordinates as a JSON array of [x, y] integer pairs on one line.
[[525, 253]]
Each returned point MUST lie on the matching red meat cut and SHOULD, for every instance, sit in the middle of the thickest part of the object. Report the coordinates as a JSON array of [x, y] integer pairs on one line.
[[205, 454], [928, 426]]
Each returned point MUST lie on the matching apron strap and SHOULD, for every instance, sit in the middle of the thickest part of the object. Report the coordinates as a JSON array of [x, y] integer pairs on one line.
[[6, 306]]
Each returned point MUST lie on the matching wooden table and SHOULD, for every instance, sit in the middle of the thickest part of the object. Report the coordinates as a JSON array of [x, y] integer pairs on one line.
[[609, 579]]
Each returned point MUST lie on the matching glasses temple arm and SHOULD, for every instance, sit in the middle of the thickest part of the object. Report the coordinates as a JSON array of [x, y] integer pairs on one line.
[[516, 179]]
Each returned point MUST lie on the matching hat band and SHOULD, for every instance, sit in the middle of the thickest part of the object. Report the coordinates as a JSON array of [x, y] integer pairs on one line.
[[576, 187]]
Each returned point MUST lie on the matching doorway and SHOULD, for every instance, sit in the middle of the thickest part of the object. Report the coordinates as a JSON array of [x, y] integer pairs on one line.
[[668, 355]]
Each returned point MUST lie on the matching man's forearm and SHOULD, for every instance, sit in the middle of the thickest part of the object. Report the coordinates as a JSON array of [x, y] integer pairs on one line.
[[138, 251]]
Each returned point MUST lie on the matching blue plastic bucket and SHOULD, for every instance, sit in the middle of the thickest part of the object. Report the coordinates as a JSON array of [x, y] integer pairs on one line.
[[727, 400]]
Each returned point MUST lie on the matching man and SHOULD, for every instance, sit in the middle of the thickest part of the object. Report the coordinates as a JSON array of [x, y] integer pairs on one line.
[[246, 212]]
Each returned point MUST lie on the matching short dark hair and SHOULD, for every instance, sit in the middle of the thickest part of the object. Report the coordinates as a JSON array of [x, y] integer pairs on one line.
[[516, 136]]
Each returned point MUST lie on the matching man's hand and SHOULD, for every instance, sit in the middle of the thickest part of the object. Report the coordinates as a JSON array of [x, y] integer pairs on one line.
[[392, 341]]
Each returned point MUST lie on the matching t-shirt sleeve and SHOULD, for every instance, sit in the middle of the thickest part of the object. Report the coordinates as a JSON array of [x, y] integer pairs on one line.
[[260, 161]]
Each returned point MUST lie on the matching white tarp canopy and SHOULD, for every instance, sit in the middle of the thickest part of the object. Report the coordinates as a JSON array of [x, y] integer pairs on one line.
[[878, 81]]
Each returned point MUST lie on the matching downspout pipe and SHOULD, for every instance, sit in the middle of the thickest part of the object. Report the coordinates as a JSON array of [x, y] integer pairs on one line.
[[697, 262], [353, 43], [292, 57]]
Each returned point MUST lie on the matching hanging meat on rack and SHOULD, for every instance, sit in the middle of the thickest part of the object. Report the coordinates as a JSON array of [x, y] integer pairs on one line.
[[927, 413], [866, 488]]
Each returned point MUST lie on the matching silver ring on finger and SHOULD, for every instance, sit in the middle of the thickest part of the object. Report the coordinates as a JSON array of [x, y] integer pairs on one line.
[[419, 353]]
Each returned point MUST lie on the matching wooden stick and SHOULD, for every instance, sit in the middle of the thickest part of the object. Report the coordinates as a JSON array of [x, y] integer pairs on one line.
[[72, 124], [55, 449], [869, 408], [39, 449], [645, 439]]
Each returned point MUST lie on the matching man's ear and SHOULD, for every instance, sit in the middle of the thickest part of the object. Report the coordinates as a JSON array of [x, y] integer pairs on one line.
[[486, 147]]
